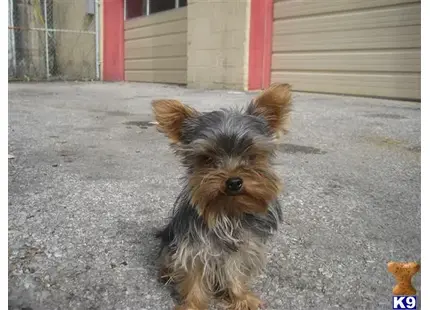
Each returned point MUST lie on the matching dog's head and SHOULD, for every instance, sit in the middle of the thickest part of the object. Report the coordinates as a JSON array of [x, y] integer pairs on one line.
[[227, 153]]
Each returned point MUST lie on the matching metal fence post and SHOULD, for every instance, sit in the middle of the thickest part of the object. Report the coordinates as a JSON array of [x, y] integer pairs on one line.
[[12, 35], [97, 29], [45, 9]]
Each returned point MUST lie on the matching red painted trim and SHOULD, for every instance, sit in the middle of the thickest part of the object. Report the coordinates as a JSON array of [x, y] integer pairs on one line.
[[260, 44], [267, 43], [256, 32], [113, 40]]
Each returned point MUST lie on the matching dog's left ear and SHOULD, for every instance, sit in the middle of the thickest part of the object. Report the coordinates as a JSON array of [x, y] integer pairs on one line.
[[274, 104], [170, 116]]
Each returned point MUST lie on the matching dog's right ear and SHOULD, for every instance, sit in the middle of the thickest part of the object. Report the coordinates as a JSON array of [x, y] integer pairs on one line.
[[170, 116]]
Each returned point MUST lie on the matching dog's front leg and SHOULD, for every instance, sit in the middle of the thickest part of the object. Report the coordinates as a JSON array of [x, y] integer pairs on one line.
[[194, 296], [240, 298]]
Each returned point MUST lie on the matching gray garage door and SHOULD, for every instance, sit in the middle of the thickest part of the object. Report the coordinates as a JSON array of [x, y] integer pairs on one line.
[[156, 47], [356, 47]]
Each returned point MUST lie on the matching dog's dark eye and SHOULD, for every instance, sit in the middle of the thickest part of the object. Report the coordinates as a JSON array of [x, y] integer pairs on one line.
[[252, 157], [205, 159]]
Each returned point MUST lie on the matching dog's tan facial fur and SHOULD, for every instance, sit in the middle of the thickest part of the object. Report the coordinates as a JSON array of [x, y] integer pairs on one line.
[[261, 186]]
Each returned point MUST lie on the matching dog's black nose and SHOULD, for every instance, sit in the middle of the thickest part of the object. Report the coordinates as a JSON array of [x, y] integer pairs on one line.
[[234, 185]]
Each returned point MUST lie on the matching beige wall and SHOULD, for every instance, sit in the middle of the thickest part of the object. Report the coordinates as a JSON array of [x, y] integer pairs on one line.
[[156, 47], [368, 47], [75, 52], [218, 43]]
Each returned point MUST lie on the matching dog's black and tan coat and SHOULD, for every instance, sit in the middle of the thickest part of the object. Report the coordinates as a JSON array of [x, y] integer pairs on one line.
[[216, 239]]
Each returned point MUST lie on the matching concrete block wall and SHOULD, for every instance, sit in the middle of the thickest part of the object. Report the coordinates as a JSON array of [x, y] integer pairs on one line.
[[30, 47], [218, 44], [75, 53]]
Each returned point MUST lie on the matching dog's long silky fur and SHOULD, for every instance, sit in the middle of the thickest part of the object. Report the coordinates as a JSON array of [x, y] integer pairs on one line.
[[233, 249], [215, 242]]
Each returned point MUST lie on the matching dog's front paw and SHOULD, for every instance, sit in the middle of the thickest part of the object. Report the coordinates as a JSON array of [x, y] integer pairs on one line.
[[246, 302], [187, 307]]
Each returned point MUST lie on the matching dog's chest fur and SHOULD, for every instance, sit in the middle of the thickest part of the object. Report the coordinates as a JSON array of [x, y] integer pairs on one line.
[[231, 250], [224, 255]]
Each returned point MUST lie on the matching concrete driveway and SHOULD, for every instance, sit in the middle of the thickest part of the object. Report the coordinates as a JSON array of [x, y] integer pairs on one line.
[[92, 178]]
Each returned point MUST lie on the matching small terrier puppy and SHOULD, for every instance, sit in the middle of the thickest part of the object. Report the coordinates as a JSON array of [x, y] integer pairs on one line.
[[215, 241]]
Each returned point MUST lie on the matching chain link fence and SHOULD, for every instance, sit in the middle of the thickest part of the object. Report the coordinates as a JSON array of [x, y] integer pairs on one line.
[[53, 40]]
